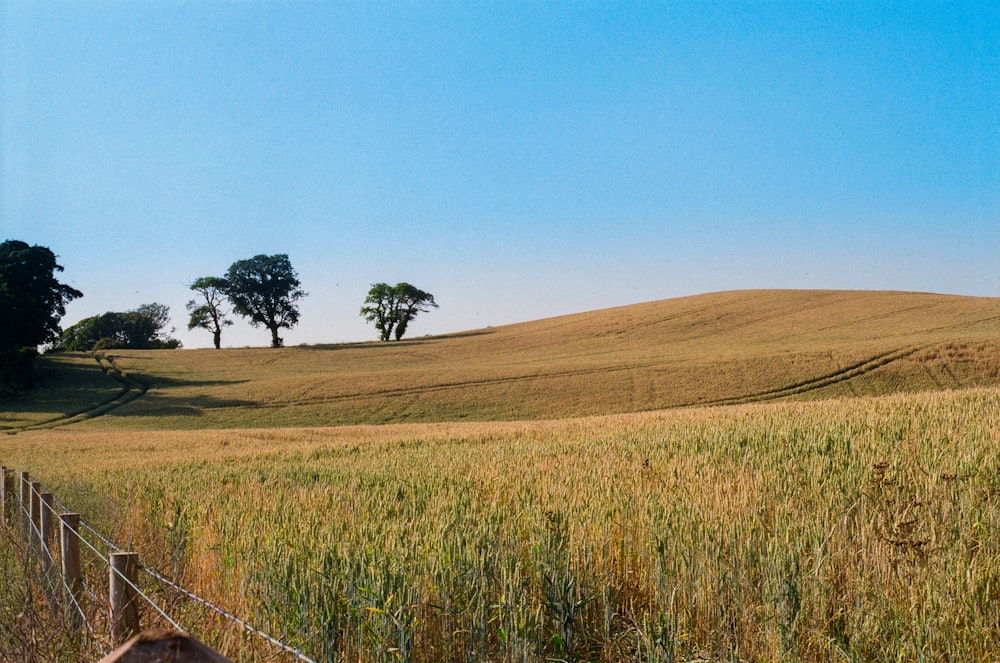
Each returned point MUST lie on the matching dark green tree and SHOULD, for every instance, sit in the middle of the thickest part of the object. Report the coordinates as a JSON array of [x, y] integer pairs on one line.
[[143, 328], [265, 288], [409, 302], [106, 330], [210, 314], [391, 308], [32, 302], [380, 309]]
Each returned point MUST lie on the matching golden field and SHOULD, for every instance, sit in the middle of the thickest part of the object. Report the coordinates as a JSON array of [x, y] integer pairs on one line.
[[855, 520], [722, 348]]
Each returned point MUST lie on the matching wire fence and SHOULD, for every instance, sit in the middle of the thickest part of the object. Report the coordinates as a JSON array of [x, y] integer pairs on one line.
[[37, 510], [37, 537]]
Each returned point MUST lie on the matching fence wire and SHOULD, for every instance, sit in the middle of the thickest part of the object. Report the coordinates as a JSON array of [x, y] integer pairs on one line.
[[36, 537], [233, 618]]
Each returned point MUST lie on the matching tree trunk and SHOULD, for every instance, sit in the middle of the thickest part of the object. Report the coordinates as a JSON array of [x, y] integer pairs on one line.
[[217, 337], [276, 341]]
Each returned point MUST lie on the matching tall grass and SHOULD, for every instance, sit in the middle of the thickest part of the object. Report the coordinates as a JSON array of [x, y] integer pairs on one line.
[[858, 530]]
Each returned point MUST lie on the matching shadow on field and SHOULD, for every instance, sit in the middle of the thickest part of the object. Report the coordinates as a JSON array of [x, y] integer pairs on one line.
[[157, 382], [68, 387], [159, 399], [63, 388], [155, 403]]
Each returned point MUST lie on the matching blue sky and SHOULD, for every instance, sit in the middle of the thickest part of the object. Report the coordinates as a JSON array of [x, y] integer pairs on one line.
[[517, 159]]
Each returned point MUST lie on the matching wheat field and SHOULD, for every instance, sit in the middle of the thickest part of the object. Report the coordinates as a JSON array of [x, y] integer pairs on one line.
[[853, 520], [837, 530]]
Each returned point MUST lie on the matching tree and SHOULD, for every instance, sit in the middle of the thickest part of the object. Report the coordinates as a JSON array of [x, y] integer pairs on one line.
[[380, 309], [265, 289], [409, 302], [141, 328], [210, 315], [106, 330], [32, 302], [391, 308], [144, 327]]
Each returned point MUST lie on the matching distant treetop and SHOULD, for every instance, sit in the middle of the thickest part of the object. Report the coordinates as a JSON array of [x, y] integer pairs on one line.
[[391, 308]]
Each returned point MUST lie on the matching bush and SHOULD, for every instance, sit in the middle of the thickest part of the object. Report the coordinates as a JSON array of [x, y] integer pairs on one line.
[[141, 328]]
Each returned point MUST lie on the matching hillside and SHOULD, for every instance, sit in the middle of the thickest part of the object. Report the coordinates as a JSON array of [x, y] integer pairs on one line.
[[720, 348]]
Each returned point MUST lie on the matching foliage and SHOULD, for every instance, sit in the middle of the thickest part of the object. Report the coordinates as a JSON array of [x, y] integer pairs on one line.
[[209, 314], [379, 309], [141, 328], [391, 308], [32, 302], [265, 288]]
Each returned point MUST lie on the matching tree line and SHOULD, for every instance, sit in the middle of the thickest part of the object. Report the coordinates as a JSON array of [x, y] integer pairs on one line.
[[264, 289]]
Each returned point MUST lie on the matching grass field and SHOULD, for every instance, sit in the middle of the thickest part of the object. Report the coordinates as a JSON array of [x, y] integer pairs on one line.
[[722, 348], [855, 521]]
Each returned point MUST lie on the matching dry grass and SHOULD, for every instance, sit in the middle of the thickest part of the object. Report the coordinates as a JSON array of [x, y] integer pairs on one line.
[[720, 348]]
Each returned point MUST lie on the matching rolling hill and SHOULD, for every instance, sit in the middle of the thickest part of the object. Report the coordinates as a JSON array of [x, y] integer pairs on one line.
[[713, 349]]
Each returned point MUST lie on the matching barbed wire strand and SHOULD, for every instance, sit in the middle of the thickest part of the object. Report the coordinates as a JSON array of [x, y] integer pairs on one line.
[[85, 525], [83, 585], [38, 540], [130, 583], [233, 618], [36, 533], [83, 616], [96, 534], [157, 576], [148, 600], [127, 581]]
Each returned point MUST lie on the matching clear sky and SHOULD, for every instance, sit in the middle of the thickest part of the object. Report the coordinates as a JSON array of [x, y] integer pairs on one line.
[[517, 159]]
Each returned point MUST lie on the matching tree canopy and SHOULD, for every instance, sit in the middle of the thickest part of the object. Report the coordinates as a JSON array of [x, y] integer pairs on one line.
[[391, 308], [32, 301], [141, 328], [264, 289], [209, 314]]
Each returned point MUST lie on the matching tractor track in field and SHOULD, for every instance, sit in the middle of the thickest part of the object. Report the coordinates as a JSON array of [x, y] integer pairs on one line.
[[852, 371], [131, 389], [847, 373]]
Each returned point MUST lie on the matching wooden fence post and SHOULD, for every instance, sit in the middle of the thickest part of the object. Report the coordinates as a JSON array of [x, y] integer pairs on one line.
[[69, 524], [124, 612], [46, 519], [6, 493]]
